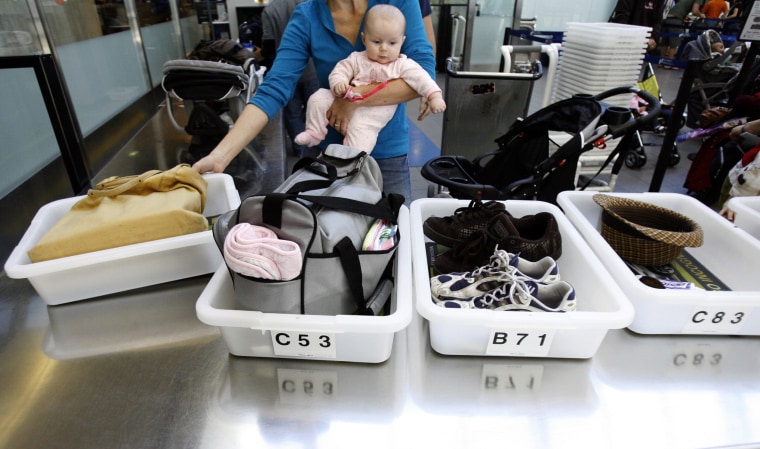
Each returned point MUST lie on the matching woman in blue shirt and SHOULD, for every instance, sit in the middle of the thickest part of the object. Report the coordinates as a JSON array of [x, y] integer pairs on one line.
[[328, 31]]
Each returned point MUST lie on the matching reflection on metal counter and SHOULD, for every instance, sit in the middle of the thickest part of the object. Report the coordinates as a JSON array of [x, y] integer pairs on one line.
[[259, 168]]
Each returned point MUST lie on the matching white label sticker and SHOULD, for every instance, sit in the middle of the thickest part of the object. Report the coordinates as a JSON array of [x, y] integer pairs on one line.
[[304, 344], [520, 342], [300, 386], [714, 319]]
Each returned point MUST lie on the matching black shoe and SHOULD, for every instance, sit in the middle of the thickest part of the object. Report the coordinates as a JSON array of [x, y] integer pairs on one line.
[[465, 222], [691, 156], [532, 237]]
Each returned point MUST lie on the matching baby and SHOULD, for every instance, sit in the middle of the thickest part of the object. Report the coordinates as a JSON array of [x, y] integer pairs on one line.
[[380, 62]]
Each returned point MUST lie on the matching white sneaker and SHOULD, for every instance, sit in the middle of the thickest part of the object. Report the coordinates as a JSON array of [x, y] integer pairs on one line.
[[504, 268]]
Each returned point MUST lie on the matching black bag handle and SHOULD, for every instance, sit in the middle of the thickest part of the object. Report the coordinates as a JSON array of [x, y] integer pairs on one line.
[[330, 175]]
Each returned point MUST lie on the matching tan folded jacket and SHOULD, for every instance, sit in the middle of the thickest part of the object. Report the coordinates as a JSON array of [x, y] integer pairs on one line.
[[126, 210]]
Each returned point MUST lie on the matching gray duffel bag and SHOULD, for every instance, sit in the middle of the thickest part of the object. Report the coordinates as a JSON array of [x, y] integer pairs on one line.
[[326, 207]]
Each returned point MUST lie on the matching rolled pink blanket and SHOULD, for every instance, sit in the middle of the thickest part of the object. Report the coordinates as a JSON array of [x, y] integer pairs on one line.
[[256, 251]]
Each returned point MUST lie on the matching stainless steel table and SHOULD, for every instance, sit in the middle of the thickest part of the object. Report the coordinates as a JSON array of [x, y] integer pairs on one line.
[[138, 370]]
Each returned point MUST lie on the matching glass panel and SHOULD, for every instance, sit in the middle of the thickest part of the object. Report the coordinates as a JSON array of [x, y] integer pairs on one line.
[[77, 20], [161, 45], [28, 145], [153, 12], [192, 32], [113, 17], [192, 29], [104, 76], [552, 15], [17, 34], [160, 41], [491, 20]]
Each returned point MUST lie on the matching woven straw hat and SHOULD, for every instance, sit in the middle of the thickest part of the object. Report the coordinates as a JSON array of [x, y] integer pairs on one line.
[[644, 233]]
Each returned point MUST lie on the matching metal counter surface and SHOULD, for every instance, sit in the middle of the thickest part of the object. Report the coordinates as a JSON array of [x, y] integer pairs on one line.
[[138, 370]]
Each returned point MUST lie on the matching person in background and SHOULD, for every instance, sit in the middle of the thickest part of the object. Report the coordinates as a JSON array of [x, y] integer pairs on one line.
[[427, 19], [381, 61], [674, 24], [274, 19], [327, 31], [714, 10], [744, 178], [647, 13], [733, 22]]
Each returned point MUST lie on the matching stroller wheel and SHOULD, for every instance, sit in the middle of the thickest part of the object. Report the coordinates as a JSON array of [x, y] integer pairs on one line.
[[634, 159], [675, 158], [432, 190]]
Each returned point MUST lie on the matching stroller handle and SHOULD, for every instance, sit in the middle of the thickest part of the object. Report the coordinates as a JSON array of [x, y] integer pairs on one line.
[[653, 105]]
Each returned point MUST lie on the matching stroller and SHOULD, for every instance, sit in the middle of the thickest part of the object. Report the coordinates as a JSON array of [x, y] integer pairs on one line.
[[715, 78], [524, 168], [213, 91]]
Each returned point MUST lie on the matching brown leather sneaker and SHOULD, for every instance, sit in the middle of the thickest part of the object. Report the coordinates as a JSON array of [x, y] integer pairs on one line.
[[532, 237], [465, 222]]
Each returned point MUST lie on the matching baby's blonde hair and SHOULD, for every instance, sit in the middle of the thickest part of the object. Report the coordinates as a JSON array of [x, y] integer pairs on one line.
[[387, 12]]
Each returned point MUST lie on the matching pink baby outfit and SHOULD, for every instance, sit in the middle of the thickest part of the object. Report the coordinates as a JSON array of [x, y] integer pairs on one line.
[[367, 122]]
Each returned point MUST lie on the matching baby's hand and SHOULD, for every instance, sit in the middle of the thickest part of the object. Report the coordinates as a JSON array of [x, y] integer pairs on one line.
[[437, 105], [340, 89]]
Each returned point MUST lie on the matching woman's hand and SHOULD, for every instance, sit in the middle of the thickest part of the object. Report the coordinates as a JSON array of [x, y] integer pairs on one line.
[[210, 163], [340, 114], [728, 213], [424, 109], [736, 133]]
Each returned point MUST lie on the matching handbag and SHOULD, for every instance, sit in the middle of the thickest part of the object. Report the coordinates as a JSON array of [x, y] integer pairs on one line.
[[127, 210], [324, 210]]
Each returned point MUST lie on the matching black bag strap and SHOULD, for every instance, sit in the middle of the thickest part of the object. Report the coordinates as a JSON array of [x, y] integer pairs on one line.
[[383, 209], [349, 260], [386, 209]]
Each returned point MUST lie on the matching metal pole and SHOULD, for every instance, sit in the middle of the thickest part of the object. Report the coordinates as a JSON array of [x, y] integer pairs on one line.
[[684, 90]]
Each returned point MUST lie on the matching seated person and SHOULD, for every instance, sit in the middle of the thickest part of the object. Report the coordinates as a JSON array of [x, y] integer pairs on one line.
[[707, 47], [744, 178]]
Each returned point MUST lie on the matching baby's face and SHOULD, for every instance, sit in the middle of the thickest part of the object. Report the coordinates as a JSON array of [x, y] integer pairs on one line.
[[383, 39], [717, 47]]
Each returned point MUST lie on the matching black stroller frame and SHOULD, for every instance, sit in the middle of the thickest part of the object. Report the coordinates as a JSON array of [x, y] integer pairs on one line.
[[214, 94], [637, 158], [522, 166]]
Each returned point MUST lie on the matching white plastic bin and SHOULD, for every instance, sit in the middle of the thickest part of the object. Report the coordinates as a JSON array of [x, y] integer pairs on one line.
[[747, 209], [348, 338], [98, 273], [727, 253], [578, 334]]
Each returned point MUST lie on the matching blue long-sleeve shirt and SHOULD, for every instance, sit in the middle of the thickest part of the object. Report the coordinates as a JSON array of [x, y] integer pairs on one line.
[[311, 33]]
